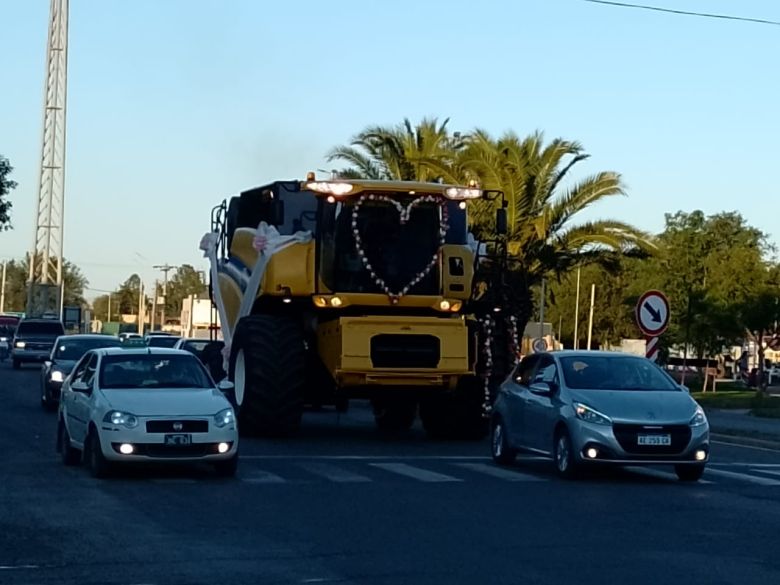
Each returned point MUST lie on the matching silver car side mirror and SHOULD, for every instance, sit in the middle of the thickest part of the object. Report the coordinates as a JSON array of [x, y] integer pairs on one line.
[[226, 385], [80, 386], [541, 388]]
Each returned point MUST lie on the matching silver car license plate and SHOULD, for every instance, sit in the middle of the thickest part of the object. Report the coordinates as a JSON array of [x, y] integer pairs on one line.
[[178, 439], [663, 440]]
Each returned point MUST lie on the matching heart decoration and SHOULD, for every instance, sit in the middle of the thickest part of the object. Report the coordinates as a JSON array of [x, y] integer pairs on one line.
[[404, 212]]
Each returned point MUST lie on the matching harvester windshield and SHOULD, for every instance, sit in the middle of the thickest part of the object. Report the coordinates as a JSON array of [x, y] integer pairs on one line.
[[370, 244]]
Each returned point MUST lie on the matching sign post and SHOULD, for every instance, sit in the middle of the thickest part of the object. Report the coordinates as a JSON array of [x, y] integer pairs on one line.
[[652, 317]]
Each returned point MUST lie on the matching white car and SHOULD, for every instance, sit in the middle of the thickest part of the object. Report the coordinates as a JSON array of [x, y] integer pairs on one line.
[[143, 405]]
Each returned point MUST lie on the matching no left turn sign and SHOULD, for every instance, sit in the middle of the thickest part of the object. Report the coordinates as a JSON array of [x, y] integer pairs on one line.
[[652, 313]]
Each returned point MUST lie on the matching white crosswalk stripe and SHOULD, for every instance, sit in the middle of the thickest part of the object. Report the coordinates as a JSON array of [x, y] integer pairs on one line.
[[415, 472], [260, 476], [649, 471], [334, 473], [743, 477], [499, 472]]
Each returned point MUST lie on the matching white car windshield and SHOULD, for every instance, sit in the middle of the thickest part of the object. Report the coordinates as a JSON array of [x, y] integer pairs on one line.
[[153, 371], [614, 373]]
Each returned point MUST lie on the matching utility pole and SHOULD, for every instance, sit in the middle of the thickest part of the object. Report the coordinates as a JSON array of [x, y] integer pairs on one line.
[[109, 308], [577, 311], [541, 311], [2, 290], [141, 309], [165, 269], [590, 318], [45, 284], [154, 306]]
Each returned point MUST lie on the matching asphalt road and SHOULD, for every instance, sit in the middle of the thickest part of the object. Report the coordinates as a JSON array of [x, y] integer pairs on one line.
[[340, 504]]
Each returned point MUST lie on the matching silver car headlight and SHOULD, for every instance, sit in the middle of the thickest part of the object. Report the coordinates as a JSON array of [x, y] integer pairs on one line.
[[56, 376], [586, 413], [20, 344], [699, 418], [224, 417], [119, 418]]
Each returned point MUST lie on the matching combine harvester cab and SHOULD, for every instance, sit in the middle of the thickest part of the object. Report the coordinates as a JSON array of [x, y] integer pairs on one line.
[[334, 290]]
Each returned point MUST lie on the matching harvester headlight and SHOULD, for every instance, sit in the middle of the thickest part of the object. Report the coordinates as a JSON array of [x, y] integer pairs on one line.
[[444, 305], [336, 302], [329, 187], [460, 193], [462, 205], [320, 302]]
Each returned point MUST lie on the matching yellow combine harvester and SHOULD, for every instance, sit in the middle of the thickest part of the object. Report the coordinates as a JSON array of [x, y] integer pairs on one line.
[[334, 290]]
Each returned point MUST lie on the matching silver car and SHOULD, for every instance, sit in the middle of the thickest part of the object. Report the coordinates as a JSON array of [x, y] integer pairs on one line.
[[591, 407]]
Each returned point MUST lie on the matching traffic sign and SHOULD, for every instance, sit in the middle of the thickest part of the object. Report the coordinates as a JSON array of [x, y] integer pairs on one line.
[[539, 345], [652, 313]]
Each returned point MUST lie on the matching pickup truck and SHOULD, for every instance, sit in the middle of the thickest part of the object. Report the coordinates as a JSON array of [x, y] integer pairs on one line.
[[34, 340]]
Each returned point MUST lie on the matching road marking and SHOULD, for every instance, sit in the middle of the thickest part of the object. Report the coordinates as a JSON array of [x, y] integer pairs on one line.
[[744, 477], [414, 472], [499, 472], [173, 480], [260, 476], [18, 567], [767, 471], [745, 446], [376, 457], [649, 471], [745, 464], [334, 473]]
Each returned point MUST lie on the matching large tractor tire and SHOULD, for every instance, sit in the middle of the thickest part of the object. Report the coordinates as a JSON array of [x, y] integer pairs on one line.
[[457, 414], [395, 413], [267, 368]]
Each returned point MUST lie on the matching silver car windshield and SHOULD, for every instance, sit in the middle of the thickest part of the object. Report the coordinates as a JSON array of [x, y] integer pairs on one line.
[[153, 371], [614, 373]]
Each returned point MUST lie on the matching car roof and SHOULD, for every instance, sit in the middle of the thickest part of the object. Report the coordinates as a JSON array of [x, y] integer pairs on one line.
[[89, 336], [583, 353], [139, 351]]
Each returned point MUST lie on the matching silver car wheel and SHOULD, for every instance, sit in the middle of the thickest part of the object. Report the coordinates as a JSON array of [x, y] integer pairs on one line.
[[562, 454], [498, 440]]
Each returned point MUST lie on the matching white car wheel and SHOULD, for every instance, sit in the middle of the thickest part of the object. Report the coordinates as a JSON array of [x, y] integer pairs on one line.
[[239, 382]]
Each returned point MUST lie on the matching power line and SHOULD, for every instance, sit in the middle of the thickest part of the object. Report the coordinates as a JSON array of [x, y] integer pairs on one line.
[[685, 12]]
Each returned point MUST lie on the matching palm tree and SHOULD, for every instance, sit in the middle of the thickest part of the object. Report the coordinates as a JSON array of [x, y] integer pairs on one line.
[[544, 239], [403, 152]]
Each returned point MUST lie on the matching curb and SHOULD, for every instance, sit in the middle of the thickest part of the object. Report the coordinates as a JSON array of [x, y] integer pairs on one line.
[[744, 440]]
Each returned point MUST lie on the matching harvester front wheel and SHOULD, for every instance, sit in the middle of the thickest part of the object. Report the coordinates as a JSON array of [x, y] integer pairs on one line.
[[457, 414], [395, 414], [267, 367]]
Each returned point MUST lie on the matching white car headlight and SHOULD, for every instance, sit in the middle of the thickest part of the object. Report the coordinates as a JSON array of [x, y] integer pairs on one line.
[[119, 418], [20, 344], [224, 417], [56, 376], [586, 413], [699, 418]]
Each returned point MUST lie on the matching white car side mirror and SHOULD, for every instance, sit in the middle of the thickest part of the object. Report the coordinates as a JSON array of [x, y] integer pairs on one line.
[[226, 385]]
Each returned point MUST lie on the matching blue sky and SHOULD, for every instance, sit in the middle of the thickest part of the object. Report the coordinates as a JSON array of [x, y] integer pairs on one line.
[[175, 104]]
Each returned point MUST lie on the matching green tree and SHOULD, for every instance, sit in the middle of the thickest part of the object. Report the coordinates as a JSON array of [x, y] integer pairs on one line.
[[17, 274], [127, 296], [186, 281], [759, 315], [6, 186], [403, 152], [544, 238]]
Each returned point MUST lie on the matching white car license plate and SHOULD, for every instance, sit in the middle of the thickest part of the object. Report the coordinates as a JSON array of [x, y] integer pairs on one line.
[[654, 440], [178, 439]]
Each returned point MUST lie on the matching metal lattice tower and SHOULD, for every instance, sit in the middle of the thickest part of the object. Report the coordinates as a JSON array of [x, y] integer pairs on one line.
[[45, 278]]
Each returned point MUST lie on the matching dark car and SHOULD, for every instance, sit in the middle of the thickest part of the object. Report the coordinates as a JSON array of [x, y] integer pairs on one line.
[[162, 340], [67, 351], [209, 352], [8, 324], [34, 340]]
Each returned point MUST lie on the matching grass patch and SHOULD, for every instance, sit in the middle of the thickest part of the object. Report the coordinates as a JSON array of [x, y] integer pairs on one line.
[[735, 400]]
